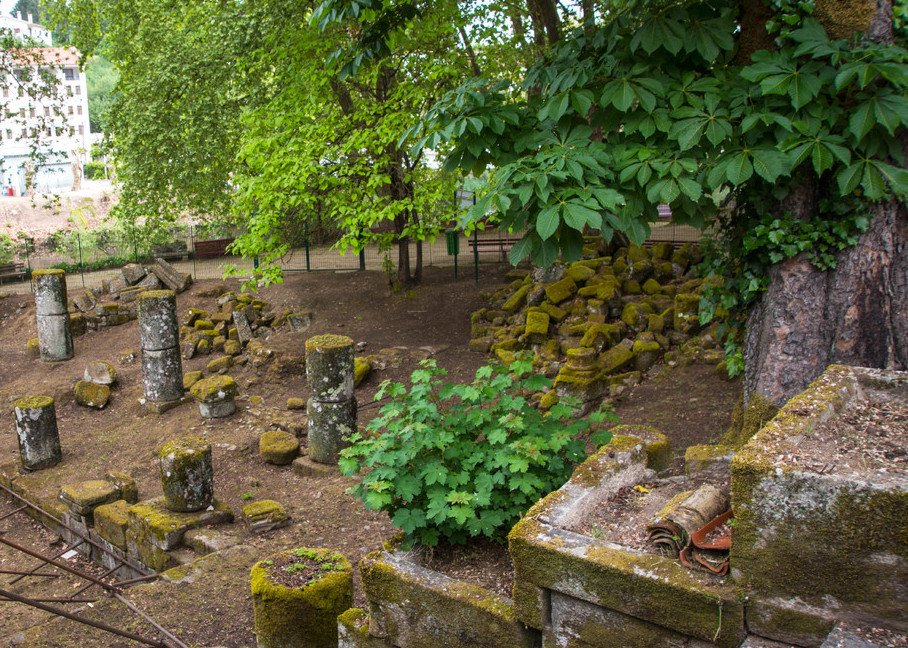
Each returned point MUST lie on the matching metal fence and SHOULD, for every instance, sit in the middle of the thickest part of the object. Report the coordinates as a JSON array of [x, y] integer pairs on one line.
[[89, 257]]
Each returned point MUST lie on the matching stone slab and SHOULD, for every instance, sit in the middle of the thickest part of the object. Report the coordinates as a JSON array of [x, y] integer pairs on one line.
[[154, 523]]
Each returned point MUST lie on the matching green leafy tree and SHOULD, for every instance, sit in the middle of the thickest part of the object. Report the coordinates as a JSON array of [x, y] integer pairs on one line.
[[101, 79], [787, 139]]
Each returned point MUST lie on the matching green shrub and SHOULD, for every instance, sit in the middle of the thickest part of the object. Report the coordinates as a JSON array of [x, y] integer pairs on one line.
[[455, 461], [94, 170], [7, 248]]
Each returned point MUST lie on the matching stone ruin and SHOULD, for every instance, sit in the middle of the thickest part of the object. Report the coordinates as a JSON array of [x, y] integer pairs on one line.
[[55, 339], [332, 404]]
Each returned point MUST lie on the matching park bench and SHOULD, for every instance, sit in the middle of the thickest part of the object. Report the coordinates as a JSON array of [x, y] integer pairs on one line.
[[14, 270], [211, 248], [501, 245]]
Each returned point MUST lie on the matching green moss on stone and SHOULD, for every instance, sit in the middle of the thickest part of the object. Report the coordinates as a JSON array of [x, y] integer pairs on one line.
[[190, 378], [278, 447], [33, 402], [518, 299], [328, 342], [33, 348], [214, 389], [560, 290]]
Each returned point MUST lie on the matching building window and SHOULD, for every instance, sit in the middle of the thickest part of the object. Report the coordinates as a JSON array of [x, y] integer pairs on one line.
[[47, 111], [69, 74], [70, 110], [9, 133], [81, 130], [78, 90], [5, 93], [69, 90], [31, 111], [79, 109]]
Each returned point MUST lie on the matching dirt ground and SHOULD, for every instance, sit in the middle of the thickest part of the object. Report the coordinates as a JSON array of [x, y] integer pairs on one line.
[[211, 606], [40, 215]]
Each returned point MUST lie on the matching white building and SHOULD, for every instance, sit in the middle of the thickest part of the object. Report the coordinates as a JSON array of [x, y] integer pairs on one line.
[[56, 128]]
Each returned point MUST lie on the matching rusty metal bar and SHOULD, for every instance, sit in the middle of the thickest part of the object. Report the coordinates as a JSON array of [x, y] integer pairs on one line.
[[149, 620], [95, 624], [55, 563], [140, 579], [11, 513], [104, 575], [53, 600], [35, 570], [65, 526], [23, 573]]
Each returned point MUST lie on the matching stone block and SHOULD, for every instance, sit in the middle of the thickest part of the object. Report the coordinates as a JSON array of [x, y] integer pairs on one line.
[[100, 372], [413, 606], [560, 290], [208, 541], [111, 522], [278, 447], [129, 490], [153, 523], [89, 394], [353, 631], [83, 498], [822, 536], [305, 467], [265, 515]]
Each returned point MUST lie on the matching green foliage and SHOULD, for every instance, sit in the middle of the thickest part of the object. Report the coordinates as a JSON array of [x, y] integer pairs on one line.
[[652, 108], [101, 79], [456, 461], [8, 248], [94, 170]]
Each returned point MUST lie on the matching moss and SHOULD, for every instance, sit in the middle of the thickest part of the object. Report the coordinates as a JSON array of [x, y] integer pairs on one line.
[[844, 18], [745, 424], [700, 458], [615, 358], [129, 491], [215, 388], [111, 522], [300, 617], [518, 299], [579, 273], [33, 402], [651, 287], [190, 378], [278, 447], [631, 287], [658, 448], [49, 272], [328, 342], [219, 364], [32, 348], [361, 370], [537, 325], [89, 394], [560, 290]]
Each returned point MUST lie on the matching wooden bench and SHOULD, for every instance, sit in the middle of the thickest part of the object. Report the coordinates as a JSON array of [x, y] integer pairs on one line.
[[501, 245], [13, 271], [211, 248]]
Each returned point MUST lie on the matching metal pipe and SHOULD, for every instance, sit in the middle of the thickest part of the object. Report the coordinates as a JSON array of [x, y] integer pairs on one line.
[[11, 513], [149, 620], [22, 573], [89, 622], [55, 563], [140, 579], [35, 570]]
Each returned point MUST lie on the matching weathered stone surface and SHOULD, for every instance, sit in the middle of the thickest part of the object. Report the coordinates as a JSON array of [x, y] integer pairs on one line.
[[152, 523], [413, 606], [100, 373], [296, 404], [111, 522], [353, 631], [329, 368], [330, 427], [133, 273], [361, 370], [658, 449], [244, 331], [278, 447], [83, 498], [170, 276], [55, 340], [190, 378], [33, 348], [129, 490], [220, 365], [162, 374], [158, 327], [304, 617], [560, 290], [36, 427], [207, 541], [89, 394], [818, 537], [186, 474], [215, 396], [265, 515], [50, 292]]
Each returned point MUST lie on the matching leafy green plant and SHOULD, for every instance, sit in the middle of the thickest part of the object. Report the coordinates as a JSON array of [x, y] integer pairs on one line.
[[455, 461]]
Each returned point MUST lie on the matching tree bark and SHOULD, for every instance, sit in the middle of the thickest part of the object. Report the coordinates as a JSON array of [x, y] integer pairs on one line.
[[856, 314]]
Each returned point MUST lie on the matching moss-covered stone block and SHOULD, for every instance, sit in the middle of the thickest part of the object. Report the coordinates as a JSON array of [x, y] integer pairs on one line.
[[817, 536], [265, 515], [361, 370], [551, 561], [278, 447], [415, 607], [687, 313], [152, 523], [707, 459], [579, 273], [646, 354], [129, 490], [301, 617], [84, 497], [32, 348], [585, 386], [111, 522], [187, 478], [560, 290], [745, 423], [615, 359], [215, 395], [537, 327], [220, 365], [296, 403], [518, 299], [353, 631], [651, 287], [657, 447], [89, 394], [190, 378]]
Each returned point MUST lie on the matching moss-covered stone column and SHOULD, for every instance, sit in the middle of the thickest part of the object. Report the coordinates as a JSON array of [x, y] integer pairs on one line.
[[162, 368], [186, 474], [293, 613], [36, 426], [332, 406], [55, 339]]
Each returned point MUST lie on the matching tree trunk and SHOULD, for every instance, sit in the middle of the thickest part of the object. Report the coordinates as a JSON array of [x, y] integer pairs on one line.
[[856, 314]]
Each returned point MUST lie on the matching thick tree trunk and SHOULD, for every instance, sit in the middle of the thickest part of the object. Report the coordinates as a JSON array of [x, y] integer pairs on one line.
[[856, 314]]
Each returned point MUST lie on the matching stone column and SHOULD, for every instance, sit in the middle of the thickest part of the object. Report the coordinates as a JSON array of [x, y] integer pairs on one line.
[[186, 475], [332, 406], [36, 426], [162, 369], [55, 339]]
